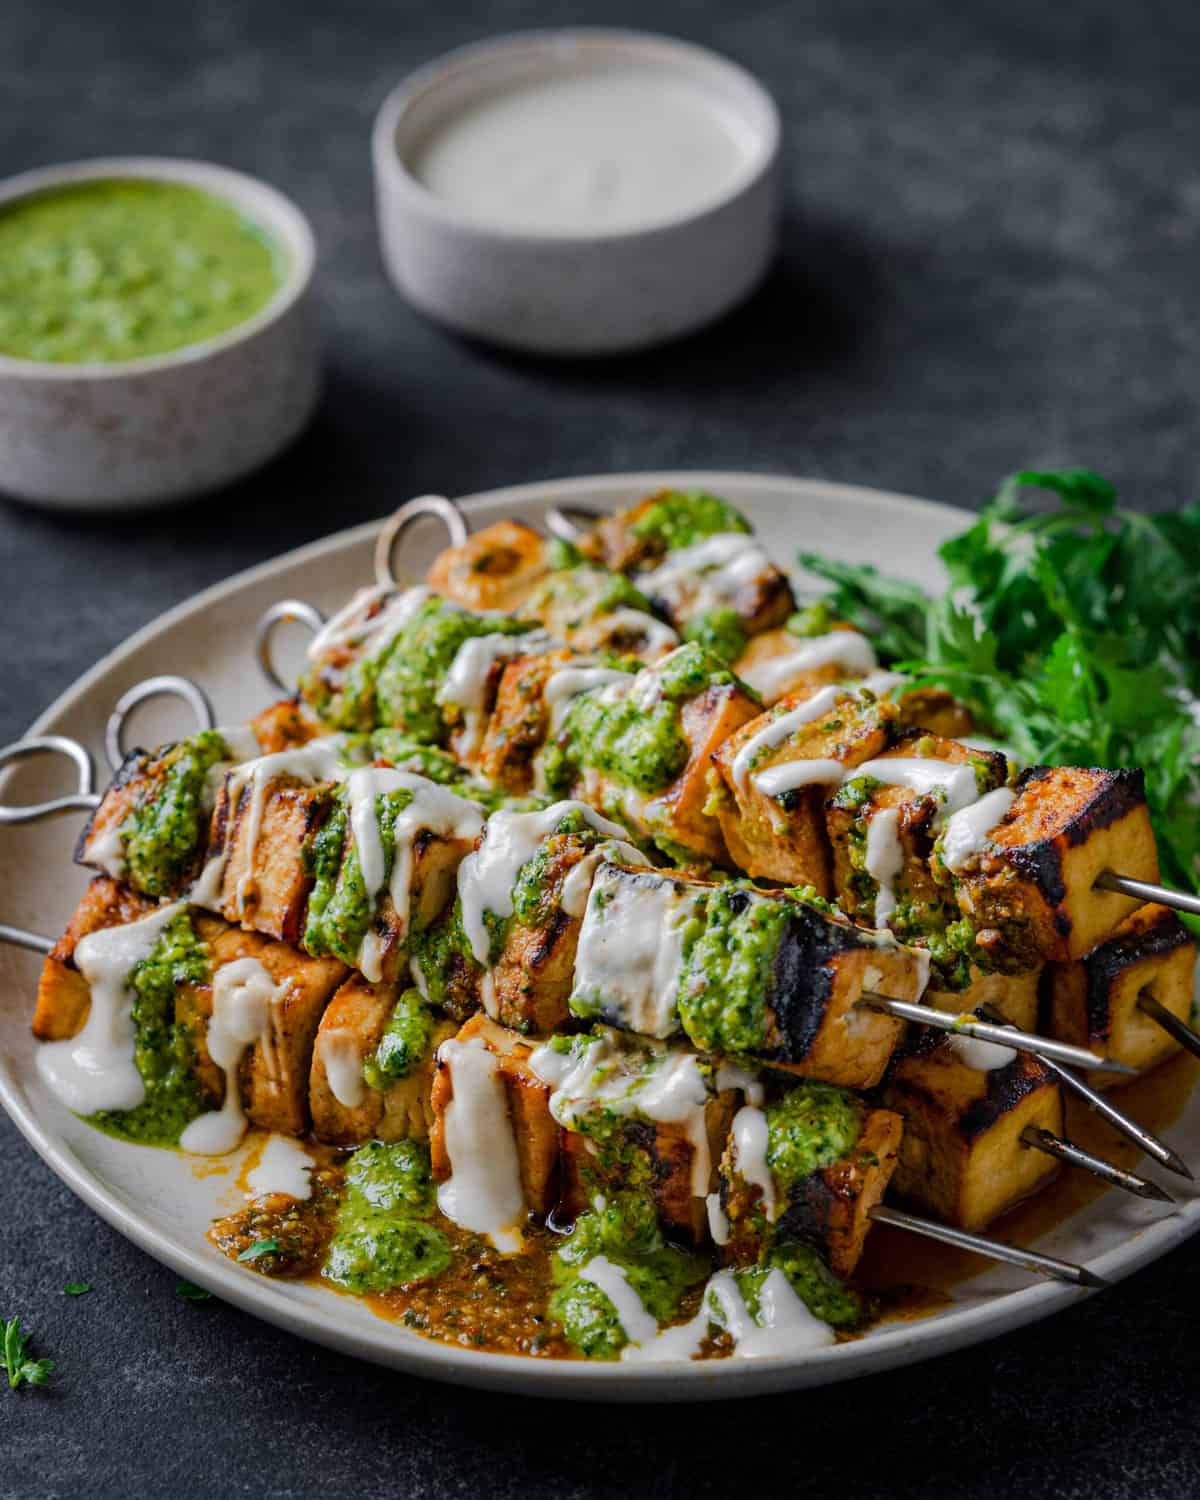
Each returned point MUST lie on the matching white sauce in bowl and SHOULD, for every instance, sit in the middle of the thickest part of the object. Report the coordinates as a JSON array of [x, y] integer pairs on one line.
[[584, 152]]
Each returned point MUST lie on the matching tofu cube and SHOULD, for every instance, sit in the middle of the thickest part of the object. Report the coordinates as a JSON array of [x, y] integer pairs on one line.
[[1015, 996], [266, 878], [63, 997], [494, 569], [1033, 894], [772, 818], [1093, 1002], [962, 1158]]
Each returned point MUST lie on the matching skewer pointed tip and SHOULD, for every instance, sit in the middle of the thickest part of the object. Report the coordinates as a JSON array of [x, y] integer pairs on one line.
[[1175, 1163], [1090, 1279], [1152, 1191]]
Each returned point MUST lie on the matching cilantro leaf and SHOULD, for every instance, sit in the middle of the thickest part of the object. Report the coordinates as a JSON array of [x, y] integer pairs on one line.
[[259, 1249], [18, 1367], [77, 1288], [190, 1292]]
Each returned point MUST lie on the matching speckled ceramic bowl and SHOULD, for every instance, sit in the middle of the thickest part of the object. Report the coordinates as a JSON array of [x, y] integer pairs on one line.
[[147, 431], [587, 293]]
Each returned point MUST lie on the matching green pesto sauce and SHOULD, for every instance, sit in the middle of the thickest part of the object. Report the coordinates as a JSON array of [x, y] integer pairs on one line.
[[163, 1052], [164, 833], [104, 271], [382, 1239], [728, 971], [437, 951], [579, 592], [404, 1044], [814, 619], [720, 631], [627, 1232], [534, 902], [812, 1281], [340, 908], [810, 1127], [407, 754], [633, 746], [679, 518]]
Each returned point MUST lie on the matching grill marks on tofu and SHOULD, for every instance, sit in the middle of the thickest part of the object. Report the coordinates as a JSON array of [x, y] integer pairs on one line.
[[1033, 894], [962, 1158], [266, 878], [494, 569], [681, 810], [1093, 1002], [780, 834], [520, 721]]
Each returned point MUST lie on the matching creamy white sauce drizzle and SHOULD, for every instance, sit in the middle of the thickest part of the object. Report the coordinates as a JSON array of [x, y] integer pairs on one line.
[[95, 1069], [718, 1221], [563, 686], [884, 858], [735, 1076], [707, 575], [776, 730], [658, 1083], [340, 1053], [776, 780], [629, 961], [881, 682], [465, 685], [637, 1324], [510, 840], [967, 833], [433, 809], [656, 637], [785, 1324], [310, 765], [956, 784], [284, 1167], [484, 1191], [984, 1057], [243, 999], [352, 628], [843, 648], [750, 1155]]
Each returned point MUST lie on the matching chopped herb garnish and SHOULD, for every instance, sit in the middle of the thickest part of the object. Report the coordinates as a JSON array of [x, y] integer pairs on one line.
[[190, 1292], [19, 1368], [259, 1249], [77, 1288]]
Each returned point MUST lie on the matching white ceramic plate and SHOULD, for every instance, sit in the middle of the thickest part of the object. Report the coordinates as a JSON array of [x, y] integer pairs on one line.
[[157, 1199]]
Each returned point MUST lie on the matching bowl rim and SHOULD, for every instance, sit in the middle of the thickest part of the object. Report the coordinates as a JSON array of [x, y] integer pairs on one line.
[[272, 210], [632, 44]]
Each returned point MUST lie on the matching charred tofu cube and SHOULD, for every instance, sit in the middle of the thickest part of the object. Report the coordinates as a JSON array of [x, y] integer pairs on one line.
[[1032, 893], [152, 826], [638, 1115], [808, 1167], [643, 534], [641, 749], [521, 720], [285, 725], [63, 997], [962, 1157], [367, 902], [373, 1065], [494, 569], [533, 1133], [265, 833], [1016, 996], [775, 776], [1093, 1002], [779, 980]]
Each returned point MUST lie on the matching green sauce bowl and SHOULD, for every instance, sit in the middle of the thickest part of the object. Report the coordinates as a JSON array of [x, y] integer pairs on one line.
[[157, 331]]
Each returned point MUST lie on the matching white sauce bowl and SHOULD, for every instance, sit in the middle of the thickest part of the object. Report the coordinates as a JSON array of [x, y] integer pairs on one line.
[[144, 432], [578, 192]]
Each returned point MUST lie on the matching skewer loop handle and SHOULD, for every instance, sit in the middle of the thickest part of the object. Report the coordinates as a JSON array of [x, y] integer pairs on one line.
[[166, 686], [394, 528], [569, 522], [83, 798], [264, 634]]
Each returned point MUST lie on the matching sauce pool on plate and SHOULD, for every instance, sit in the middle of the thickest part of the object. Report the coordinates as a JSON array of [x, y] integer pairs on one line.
[[107, 270]]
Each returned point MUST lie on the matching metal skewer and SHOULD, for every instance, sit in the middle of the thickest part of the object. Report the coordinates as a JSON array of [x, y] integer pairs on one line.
[[1156, 1149], [1076, 1156], [983, 1031], [18, 937], [1179, 1030], [1013, 1255], [1144, 890]]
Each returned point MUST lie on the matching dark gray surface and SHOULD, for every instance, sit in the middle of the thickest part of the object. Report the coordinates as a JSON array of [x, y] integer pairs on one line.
[[990, 262]]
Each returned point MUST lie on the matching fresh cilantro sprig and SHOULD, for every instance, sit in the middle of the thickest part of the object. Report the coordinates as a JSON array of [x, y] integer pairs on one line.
[[20, 1369], [1072, 628]]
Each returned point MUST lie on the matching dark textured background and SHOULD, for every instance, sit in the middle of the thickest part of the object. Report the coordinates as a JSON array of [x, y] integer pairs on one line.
[[990, 261]]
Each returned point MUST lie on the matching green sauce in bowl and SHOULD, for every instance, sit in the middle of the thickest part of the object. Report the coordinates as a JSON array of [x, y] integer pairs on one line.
[[107, 270]]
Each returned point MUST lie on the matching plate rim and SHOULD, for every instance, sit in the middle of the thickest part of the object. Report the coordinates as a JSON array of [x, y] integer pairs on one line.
[[398, 1348]]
